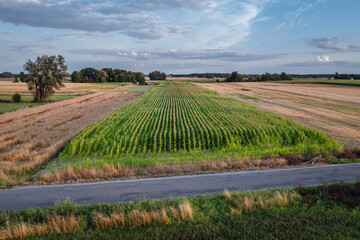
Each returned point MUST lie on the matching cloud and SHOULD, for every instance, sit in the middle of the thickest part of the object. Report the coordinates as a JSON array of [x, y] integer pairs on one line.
[[88, 16], [332, 43], [297, 16], [332, 64], [323, 58], [215, 23], [173, 54]]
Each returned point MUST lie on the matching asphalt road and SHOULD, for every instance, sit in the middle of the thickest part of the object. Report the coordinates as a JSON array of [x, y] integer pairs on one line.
[[172, 187]]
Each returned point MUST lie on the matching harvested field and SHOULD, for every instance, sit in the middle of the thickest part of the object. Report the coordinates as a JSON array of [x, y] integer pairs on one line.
[[334, 110], [30, 137]]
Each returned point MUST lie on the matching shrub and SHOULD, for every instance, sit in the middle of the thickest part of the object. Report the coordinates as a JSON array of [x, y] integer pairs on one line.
[[16, 97]]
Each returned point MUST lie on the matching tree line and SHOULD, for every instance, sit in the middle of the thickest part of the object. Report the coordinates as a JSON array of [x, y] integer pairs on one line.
[[346, 76], [236, 77], [92, 75]]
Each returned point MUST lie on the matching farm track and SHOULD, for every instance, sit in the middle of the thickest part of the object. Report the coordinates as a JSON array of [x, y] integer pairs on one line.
[[30, 137], [172, 187], [334, 110]]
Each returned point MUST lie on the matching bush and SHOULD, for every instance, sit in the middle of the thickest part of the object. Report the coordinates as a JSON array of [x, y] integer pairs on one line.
[[16, 97]]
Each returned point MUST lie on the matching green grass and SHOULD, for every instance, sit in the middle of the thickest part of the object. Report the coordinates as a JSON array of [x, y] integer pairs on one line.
[[317, 213], [26, 101], [343, 82], [192, 80], [138, 88], [182, 123]]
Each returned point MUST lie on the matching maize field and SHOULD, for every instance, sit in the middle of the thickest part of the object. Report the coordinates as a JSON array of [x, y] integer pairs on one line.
[[176, 118]]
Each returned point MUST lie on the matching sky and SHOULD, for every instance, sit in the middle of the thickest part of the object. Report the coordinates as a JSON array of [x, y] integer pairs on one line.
[[184, 36]]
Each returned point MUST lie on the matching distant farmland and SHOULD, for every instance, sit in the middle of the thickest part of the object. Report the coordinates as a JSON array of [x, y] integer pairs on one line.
[[184, 123]]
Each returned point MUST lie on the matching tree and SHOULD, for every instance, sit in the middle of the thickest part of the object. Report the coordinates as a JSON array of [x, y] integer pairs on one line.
[[7, 75], [157, 75], [103, 76], [140, 78], [285, 76], [266, 77], [45, 75], [76, 77], [89, 75], [235, 77], [22, 77]]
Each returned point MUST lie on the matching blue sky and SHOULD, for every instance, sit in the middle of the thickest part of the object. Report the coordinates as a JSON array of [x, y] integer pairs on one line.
[[184, 36]]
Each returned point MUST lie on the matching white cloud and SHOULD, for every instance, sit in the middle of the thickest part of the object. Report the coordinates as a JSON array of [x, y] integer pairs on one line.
[[323, 58]]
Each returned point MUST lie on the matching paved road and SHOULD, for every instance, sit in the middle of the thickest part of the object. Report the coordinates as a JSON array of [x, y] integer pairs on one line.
[[170, 187]]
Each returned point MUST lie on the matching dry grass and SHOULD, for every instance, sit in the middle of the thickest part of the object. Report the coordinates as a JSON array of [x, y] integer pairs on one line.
[[109, 171], [227, 195], [250, 202], [53, 225], [31, 137], [137, 218]]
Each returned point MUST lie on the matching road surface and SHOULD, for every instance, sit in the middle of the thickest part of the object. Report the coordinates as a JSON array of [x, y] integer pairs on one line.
[[172, 187]]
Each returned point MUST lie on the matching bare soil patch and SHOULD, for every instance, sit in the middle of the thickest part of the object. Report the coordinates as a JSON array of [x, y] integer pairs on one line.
[[30, 137], [334, 110]]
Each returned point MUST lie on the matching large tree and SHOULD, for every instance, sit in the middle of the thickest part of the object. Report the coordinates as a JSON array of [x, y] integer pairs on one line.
[[45, 75], [157, 75]]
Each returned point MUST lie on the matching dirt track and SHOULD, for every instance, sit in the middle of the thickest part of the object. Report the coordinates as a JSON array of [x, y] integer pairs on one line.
[[30, 137], [334, 110]]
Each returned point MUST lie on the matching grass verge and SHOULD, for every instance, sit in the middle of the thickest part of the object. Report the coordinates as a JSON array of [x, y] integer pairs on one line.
[[323, 212]]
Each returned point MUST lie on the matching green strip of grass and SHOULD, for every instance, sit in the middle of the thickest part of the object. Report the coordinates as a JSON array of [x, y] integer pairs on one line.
[[324, 212], [26, 102]]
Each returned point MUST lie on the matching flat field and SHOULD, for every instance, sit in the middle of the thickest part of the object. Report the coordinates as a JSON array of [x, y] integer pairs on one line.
[[7, 89], [334, 110], [343, 82], [184, 123], [32, 136]]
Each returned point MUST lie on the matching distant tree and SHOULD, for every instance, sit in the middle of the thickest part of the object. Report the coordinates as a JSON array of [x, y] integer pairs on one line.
[[336, 75], [7, 75], [235, 77], [22, 77], [102, 76], [90, 75], [266, 77], [276, 77], [76, 77], [157, 75], [140, 78], [16, 79], [45, 75], [285, 76]]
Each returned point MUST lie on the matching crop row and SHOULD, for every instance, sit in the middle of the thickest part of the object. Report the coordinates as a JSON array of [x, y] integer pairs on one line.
[[186, 117]]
